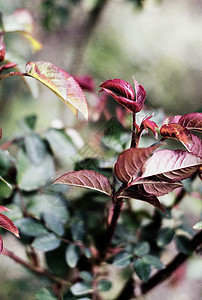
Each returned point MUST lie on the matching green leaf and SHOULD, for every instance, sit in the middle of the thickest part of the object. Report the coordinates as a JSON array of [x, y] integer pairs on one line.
[[78, 229], [6, 182], [61, 83], [153, 261], [28, 123], [104, 285], [165, 236], [44, 294], [198, 225], [30, 227], [72, 255], [54, 223], [30, 176], [80, 288], [122, 260], [86, 276], [141, 248], [35, 148], [46, 242], [183, 244], [142, 269]]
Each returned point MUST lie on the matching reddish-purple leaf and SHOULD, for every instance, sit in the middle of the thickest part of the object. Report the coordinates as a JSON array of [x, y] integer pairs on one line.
[[138, 192], [2, 47], [8, 66], [171, 119], [124, 94], [86, 179], [196, 146], [0, 132], [130, 161], [7, 224], [86, 82], [61, 83], [1, 244], [146, 123], [140, 94], [178, 132], [191, 121], [170, 165]]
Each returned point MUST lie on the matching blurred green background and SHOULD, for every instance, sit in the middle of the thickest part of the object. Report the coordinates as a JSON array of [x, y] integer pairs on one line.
[[158, 42]]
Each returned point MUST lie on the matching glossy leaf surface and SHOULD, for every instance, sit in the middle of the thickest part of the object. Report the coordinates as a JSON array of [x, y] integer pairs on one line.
[[86, 179], [192, 121], [61, 83], [7, 224]]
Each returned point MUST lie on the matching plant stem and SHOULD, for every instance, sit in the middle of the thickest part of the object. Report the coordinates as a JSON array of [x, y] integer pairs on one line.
[[134, 134], [36, 269]]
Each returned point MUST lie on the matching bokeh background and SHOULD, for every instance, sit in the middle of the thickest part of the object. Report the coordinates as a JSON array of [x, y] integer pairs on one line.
[[158, 42]]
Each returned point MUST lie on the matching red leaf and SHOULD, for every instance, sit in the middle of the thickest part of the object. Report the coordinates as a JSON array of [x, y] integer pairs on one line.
[[86, 179], [124, 94], [2, 46], [60, 82], [7, 66], [130, 161], [196, 146], [191, 121], [171, 119], [86, 82], [170, 165], [1, 244], [178, 132], [7, 224], [138, 192], [146, 123], [0, 132]]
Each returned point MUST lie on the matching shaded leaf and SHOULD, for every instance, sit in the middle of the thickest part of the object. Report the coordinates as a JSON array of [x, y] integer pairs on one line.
[[54, 223], [165, 236], [138, 192], [191, 121], [46, 242], [72, 255], [122, 259], [153, 261], [7, 224], [178, 132], [86, 276], [60, 82], [140, 95], [35, 148], [184, 244], [30, 227], [142, 269], [44, 294], [86, 82], [130, 161], [196, 147], [104, 285], [81, 288], [141, 248], [86, 179]]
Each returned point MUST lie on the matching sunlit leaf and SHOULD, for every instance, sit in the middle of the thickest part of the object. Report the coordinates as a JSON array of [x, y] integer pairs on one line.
[[3, 208], [192, 121], [81, 288], [131, 160], [148, 124], [198, 225], [86, 179], [171, 119], [178, 132], [6, 182], [142, 269], [7, 224], [60, 82], [72, 255]]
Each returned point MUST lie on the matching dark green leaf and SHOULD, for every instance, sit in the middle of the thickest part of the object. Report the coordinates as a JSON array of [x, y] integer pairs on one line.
[[35, 148], [183, 244], [46, 242], [104, 285], [54, 223], [141, 248], [78, 230], [28, 123], [30, 227], [80, 289], [30, 176], [142, 269], [122, 259], [44, 294], [86, 276], [72, 255], [165, 236], [186, 229], [153, 261]]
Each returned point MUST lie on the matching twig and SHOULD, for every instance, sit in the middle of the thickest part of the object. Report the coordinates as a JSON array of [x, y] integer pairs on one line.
[[36, 269], [134, 138]]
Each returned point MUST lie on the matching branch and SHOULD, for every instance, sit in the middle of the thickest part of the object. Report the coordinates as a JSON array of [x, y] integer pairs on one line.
[[36, 269], [162, 275]]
